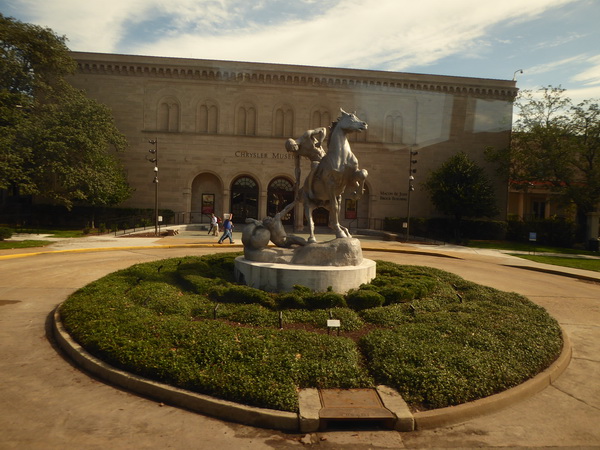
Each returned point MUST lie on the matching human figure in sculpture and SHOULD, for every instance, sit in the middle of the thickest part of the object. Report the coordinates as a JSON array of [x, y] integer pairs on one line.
[[309, 145], [276, 233]]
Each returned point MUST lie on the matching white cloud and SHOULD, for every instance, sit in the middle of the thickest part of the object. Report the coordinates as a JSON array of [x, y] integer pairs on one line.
[[93, 25], [554, 65], [590, 76], [578, 95], [371, 33], [386, 34]]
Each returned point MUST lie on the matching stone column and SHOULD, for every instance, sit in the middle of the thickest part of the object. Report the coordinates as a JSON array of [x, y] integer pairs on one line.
[[225, 205], [262, 205], [187, 202]]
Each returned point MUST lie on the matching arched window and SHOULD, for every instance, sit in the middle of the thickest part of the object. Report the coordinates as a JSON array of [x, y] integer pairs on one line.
[[244, 199], [280, 193], [393, 128], [168, 115], [283, 122], [207, 118], [246, 120], [320, 118]]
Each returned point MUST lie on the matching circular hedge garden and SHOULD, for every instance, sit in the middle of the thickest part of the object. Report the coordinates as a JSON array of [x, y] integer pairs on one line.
[[436, 338]]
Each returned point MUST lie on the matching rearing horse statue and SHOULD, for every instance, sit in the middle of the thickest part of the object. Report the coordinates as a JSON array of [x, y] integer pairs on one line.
[[337, 171]]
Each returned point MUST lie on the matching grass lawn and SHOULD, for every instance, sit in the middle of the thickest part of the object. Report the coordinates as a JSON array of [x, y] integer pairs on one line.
[[528, 247], [576, 263], [436, 338], [31, 243], [5, 245], [54, 233]]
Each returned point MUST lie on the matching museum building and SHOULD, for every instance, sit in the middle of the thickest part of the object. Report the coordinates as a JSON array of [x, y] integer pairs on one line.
[[220, 129]]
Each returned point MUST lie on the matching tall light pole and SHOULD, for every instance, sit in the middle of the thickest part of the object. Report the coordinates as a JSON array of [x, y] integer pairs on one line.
[[154, 152], [411, 187]]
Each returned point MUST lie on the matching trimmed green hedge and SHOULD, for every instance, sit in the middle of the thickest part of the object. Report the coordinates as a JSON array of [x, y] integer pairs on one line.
[[555, 231], [435, 337], [442, 228], [5, 233]]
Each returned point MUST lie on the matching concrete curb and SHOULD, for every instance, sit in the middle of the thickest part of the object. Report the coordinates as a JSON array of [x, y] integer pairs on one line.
[[307, 420], [222, 409], [577, 276], [455, 414]]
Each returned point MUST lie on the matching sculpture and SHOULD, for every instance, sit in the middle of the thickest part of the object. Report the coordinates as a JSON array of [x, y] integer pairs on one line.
[[331, 173], [335, 172], [294, 261]]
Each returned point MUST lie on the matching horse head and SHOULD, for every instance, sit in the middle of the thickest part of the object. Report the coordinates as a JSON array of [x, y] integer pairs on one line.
[[349, 122]]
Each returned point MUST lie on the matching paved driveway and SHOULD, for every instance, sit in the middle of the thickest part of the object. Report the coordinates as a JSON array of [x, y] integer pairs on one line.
[[49, 403]]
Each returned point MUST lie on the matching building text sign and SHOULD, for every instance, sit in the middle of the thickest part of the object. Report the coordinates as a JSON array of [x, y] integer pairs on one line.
[[392, 196], [263, 155]]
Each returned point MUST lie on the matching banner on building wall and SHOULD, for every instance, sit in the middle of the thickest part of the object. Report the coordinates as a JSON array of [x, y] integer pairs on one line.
[[350, 208], [208, 203]]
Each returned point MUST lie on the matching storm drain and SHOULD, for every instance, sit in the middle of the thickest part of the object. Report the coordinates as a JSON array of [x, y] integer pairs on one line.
[[354, 407]]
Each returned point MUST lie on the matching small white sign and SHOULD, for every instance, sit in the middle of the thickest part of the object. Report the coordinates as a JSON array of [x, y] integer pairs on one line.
[[533, 237], [333, 323], [160, 218]]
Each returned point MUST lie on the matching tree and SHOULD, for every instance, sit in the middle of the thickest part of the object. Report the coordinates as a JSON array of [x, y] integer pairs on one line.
[[53, 139], [584, 188], [460, 188], [558, 144]]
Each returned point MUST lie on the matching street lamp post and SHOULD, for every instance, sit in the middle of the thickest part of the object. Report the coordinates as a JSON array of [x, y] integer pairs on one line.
[[411, 187], [154, 152]]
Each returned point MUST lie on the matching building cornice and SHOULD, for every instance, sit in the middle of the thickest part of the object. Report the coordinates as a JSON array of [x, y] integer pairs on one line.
[[288, 75]]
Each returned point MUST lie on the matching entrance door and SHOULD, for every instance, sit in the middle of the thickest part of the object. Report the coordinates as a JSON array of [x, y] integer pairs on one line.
[[244, 199], [321, 217], [280, 193]]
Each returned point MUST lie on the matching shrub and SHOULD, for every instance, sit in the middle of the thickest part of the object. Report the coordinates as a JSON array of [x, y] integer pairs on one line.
[[290, 300], [241, 294], [442, 228], [5, 233], [324, 300], [364, 299], [555, 231]]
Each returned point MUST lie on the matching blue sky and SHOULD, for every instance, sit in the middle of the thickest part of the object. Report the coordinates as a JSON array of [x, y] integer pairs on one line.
[[554, 42]]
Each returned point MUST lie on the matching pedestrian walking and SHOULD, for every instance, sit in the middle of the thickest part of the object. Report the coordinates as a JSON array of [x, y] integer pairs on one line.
[[214, 225], [227, 230]]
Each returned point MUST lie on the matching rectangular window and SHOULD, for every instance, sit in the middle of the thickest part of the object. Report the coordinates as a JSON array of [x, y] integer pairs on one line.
[[539, 210]]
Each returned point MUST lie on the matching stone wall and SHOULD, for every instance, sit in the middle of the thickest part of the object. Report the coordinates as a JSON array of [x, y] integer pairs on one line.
[[216, 121]]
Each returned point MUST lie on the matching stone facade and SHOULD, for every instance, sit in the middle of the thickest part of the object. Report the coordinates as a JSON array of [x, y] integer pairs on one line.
[[221, 127]]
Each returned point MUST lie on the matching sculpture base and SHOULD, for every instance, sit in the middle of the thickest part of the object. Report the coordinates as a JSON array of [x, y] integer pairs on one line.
[[272, 277]]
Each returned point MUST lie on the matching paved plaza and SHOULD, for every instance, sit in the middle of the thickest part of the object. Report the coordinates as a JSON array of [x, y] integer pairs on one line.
[[48, 403]]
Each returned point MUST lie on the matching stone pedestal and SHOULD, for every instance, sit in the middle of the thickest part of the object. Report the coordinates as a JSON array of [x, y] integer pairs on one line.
[[275, 277]]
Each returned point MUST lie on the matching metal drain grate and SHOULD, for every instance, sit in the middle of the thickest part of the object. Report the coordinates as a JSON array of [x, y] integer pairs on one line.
[[355, 405]]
